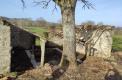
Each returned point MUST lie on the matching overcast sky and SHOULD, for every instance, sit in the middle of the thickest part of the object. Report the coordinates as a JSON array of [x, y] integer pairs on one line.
[[106, 11]]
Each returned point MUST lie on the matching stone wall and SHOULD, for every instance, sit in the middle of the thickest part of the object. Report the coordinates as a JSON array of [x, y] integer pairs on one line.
[[18, 36], [4, 49], [10, 38], [21, 38], [99, 42], [102, 43]]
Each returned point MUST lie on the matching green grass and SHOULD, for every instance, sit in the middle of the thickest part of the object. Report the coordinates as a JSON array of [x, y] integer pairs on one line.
[[37, 30], [117, 43]]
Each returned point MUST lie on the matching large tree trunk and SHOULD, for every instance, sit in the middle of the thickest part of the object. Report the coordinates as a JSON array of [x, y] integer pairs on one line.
[[69, 44]]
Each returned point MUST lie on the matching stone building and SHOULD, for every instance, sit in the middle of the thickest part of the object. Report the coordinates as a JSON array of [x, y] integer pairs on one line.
[[97, 40], [12, 38]]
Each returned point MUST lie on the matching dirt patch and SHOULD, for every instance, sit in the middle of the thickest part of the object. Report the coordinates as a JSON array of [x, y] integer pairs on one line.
[[93, 68], [118, 57]]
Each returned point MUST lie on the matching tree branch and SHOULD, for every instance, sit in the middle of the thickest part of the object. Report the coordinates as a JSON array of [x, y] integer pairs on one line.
[[55, 8], [44, 3], [87, 4], [23, 3]]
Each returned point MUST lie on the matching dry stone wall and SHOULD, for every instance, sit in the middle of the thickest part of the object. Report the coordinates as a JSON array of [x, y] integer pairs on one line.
[[102, 43], [4, 49]]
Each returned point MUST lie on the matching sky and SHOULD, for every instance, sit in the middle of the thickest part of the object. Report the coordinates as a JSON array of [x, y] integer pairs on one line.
[[106, 11]]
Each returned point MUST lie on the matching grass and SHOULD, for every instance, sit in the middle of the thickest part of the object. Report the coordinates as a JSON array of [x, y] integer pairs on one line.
[[117, 43], [37, 30]]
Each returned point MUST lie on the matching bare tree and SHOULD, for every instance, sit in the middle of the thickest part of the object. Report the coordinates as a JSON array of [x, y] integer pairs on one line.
[[68, 22]]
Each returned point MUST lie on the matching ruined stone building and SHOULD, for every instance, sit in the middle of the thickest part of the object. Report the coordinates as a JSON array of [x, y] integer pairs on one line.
[[18, 49], [97, 40], [17, 45], [14, 41]]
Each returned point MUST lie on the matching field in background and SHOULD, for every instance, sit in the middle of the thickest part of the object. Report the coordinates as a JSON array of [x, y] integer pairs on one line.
[[117, 43], [37, 30]]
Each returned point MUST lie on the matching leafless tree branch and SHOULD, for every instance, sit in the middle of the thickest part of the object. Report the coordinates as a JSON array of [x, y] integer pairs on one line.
[[23, 3], [44, 3], [55, 8], [87, 4]]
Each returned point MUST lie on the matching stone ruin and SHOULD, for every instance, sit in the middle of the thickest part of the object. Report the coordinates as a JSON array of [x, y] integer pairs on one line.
[[18, 49], [101, 38], [97, 40], [12, 38]]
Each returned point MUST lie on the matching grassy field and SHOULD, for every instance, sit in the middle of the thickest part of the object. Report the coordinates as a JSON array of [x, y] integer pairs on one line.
[[117, 43], [36, 30]]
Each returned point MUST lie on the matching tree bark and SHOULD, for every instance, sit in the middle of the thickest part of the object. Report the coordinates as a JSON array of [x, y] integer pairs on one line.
[[69, 42]]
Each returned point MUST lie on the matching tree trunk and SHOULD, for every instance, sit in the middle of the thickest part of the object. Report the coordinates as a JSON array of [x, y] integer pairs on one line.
[[69, 44]]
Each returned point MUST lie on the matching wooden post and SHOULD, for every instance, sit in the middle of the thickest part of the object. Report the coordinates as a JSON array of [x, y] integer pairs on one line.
[[42, 43]]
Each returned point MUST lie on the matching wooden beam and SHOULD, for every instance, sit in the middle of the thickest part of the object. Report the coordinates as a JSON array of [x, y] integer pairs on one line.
[[42, 44], [32, 58]]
